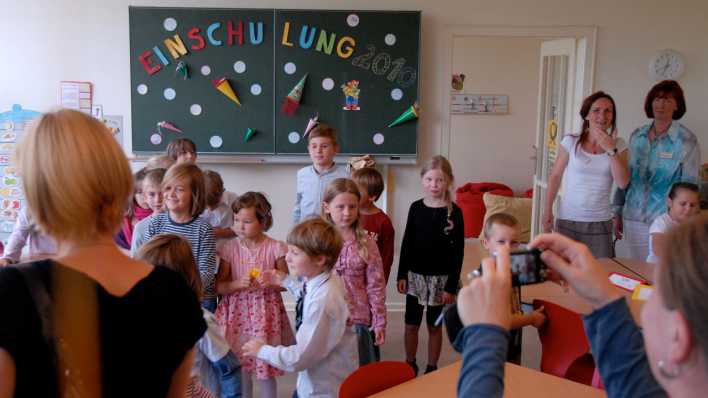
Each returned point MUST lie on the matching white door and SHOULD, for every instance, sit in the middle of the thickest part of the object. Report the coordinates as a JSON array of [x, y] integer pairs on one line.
[[556, 109]]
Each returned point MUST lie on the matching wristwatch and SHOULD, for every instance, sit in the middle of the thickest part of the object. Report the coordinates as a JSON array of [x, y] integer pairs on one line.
[[612, 152]]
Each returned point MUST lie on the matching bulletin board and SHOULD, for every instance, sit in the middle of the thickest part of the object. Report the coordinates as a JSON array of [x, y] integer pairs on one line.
[[13, 125], [222, 77]]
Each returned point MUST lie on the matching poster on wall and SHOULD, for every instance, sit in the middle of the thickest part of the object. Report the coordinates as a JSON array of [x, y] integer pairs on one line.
[[479, 104], [13, 124], [76, 95], [115, 125]]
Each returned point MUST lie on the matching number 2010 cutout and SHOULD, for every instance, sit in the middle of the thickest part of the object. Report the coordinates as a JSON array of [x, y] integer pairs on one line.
[[381, 63]]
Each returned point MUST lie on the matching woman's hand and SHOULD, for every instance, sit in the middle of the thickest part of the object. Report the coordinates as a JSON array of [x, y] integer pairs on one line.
[[548, 221], [575, 264], [402, 286], [487, 299], [448, 298], [251, 348], [618, 227], [608, 142]]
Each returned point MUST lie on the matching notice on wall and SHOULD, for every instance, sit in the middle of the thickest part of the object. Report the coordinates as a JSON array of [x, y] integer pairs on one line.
[[479, 104], [76, 95]]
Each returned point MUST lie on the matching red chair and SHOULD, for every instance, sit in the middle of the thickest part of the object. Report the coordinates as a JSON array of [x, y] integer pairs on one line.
[[597, 380], [565, 347], [375, 377], [469, 198]]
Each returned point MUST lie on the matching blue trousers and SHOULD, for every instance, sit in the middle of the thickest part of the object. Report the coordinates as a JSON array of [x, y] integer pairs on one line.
[[229, 369]]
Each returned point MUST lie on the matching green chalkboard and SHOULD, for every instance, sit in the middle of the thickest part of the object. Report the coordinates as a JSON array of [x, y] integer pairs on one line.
[[377, 49], [263, 54], [220, 116]]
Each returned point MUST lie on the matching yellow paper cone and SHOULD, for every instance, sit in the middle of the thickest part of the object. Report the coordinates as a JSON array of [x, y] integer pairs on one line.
[[224, 86]]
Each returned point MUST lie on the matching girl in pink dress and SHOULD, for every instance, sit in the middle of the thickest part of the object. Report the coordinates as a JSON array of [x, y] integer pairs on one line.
[[248, 309]]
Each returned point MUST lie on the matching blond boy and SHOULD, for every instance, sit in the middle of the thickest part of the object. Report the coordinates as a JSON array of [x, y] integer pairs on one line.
[[325, 352], [312, 180], [502, 229]]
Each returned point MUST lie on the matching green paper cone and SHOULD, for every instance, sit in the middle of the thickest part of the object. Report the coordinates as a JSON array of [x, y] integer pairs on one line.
[[249, 134], [410, 114], [296, 93]]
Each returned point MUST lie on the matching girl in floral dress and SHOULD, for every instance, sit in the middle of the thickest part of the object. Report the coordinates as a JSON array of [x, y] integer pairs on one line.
[[248, 309]]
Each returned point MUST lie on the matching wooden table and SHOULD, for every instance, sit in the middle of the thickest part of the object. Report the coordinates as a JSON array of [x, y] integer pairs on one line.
[[636, 268], [550, 291], [518, 382]]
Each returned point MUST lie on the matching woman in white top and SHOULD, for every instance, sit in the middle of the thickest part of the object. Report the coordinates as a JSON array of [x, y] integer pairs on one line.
[[590, 162]]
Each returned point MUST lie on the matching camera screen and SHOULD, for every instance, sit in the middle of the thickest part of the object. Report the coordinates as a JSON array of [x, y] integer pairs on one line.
[[527, 267]]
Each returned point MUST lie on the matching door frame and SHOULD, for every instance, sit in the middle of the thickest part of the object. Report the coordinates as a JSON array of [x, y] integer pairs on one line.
[[586, 47]]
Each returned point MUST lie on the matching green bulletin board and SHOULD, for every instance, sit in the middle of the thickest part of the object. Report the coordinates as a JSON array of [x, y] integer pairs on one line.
[[263, 54]]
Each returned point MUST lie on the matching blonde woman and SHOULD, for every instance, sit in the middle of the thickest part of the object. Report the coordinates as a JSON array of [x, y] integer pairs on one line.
[[87, 322]]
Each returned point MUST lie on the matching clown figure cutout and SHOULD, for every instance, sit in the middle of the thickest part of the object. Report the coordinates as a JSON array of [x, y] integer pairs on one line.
[[351, 94]]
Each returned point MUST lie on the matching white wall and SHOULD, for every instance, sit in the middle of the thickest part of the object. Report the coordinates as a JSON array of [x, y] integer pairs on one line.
[[45, 41], [488, 144]]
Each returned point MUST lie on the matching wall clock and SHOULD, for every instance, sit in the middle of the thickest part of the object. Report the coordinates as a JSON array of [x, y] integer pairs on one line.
[[666, 65]]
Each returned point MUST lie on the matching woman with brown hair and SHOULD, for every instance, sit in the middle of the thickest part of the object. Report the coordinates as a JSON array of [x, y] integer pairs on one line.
[[590, 163], [91, 322], [668, 357], [661, 153]]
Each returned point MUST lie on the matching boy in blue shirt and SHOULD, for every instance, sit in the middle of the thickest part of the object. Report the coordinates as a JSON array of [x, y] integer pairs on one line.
[[312, 180]]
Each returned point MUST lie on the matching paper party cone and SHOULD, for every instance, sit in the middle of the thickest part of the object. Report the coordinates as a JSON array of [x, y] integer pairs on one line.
[[224, 86], [311, 124], [410, 114], [249, 134], [182, 69], [169, 126], [292, 101]]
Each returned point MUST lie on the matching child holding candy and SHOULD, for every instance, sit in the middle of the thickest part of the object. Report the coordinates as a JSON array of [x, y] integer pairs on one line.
[[248, 310]]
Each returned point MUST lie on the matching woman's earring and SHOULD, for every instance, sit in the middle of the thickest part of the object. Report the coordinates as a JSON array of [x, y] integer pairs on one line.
[[666, 373]]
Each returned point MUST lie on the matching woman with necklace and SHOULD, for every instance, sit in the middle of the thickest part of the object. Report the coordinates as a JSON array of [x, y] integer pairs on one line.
[[590, 163], [661, 153]]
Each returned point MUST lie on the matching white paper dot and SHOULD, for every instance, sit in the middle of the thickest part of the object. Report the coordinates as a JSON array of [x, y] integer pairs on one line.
[[142, 89], [396, 94], [256, 89], [195, 109], [352, 20], [239, 66], [169, 93], [156, 139], [327, 83], [206, 70], [390, 39], [215, 141], [290, 68], [294, 137], [378, 138], [170, 24]]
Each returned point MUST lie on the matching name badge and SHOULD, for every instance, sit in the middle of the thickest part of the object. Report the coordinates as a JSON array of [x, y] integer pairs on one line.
[[666, 155]]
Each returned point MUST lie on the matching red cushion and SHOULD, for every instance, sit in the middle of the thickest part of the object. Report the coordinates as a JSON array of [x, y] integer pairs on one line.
[[469, 198]]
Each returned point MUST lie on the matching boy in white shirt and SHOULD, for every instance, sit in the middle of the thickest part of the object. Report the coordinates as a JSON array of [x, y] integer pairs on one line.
[[312, 180], [217, 213], [325, 352]]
